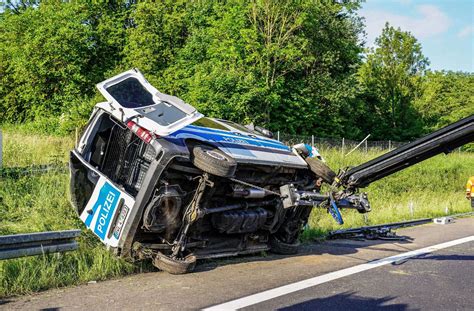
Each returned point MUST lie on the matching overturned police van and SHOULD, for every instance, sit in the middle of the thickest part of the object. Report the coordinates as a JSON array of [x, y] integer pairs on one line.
[[155, 179]]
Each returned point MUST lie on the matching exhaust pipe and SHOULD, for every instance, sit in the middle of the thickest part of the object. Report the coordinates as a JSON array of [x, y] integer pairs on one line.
[[249, 193]]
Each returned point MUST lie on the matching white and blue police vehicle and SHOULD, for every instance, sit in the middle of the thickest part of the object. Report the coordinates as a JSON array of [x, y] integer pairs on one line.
[[155, 179]]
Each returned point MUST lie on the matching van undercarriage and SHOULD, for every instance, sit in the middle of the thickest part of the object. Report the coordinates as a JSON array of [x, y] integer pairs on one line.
[[221, 216]]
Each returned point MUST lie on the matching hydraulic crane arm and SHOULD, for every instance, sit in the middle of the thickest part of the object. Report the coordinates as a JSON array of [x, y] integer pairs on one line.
[[441, 141]]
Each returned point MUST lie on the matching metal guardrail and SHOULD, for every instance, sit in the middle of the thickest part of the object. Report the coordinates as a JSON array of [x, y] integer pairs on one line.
[[31, 244]]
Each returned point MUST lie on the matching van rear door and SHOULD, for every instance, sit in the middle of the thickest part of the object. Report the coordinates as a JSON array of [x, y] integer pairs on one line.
[[131, 96], [107, 211], [101, 205], [106, 174]]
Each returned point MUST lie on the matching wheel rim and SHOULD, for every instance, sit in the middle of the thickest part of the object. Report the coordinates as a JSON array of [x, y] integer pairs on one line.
[[216, 155]]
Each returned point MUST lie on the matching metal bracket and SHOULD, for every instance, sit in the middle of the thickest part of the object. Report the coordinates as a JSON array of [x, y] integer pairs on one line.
[[291, 197]]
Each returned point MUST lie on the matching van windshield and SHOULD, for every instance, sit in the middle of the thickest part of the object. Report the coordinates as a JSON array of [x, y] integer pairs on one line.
[[239, 127]]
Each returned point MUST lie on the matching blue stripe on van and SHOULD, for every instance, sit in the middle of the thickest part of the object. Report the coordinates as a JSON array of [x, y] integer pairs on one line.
[[226, 137], [224, 132]]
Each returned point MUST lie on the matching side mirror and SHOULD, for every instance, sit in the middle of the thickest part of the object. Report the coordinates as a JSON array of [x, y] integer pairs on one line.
[[259, 129], [264, 131], [250, 126]]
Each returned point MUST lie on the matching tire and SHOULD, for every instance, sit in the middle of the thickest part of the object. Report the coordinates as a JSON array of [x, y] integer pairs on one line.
[[175, 266], [213, 161], [282, 248], [321, 169]]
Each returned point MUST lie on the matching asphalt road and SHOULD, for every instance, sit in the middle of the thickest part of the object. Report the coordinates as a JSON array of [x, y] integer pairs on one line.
[[442, 280], [439, 280]]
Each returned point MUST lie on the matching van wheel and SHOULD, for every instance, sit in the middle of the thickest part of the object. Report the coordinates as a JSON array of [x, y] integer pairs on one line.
[[282, 248], [213, 161], [321, 169], [175, 266]]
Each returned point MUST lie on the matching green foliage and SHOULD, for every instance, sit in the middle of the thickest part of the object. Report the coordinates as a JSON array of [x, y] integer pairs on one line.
[[391, 81], [296, 65], [43, 53], [52, 55], [447, 97], [160, 31]]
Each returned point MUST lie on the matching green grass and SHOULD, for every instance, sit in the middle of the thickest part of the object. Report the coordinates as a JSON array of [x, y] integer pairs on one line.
[[22, 148], [430, 187], [34, 203], [40, 203]]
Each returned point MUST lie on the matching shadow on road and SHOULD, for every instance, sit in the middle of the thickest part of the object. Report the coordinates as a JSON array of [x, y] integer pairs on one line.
[[346, 248], [4, 301], [347, 301]]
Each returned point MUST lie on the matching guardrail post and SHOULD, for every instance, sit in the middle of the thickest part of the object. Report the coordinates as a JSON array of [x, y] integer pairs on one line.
[[278, 135], [76, 137], [1, 148]]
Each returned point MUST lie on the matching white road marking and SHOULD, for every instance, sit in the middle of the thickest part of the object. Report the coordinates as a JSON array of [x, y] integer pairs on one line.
[[294, 287]]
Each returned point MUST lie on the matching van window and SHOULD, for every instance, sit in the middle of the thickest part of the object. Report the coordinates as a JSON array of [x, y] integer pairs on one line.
[[130, 93], [239, 127], [119, 154], [207, 122]]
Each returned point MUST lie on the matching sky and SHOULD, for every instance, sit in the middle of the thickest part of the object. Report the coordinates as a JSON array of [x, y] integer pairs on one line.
[[445, 28]]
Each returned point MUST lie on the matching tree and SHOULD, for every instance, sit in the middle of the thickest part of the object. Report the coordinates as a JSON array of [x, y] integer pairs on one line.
[[17, 6], [447, 97], [284, 65], [46, 51], [159, 30], [391, 79], [287, 65], [52, 55]]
